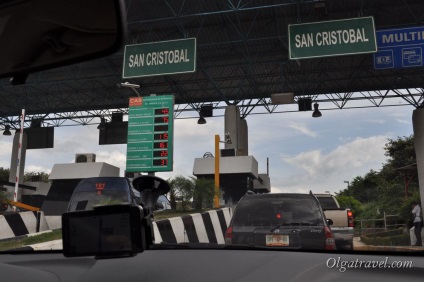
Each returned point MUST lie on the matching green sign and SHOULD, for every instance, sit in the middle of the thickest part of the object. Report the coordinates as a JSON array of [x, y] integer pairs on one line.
[[332, 38], [160, 58], [150, 134]]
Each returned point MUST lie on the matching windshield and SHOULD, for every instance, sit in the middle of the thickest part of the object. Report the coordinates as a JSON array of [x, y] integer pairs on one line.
[[231, 104]]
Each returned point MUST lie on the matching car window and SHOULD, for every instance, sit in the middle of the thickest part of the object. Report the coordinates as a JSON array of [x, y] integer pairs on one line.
[[86, 200], [327, 203], [273, 211], [100, 191]]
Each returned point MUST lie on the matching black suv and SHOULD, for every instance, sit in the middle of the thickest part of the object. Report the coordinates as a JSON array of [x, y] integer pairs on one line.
[[292, 221]]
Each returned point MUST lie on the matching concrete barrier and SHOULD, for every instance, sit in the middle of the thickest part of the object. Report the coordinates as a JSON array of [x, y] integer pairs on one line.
[[54, 221], [208, 227], [23, 223]]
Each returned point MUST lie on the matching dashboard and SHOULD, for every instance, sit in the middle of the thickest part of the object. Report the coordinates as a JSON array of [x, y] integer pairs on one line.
[[214, 265]]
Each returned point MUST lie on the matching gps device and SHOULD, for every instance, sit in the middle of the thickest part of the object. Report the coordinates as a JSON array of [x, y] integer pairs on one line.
[[106, 231]]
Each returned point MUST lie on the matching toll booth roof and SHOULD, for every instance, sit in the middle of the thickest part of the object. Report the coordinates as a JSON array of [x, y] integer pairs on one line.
[[82, 170], [228, 165]]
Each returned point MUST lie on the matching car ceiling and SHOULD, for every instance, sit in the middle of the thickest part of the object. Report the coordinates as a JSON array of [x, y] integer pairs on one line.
[[242, 55]]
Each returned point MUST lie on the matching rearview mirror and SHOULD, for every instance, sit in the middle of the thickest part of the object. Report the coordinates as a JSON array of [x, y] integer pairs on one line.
[[42, 34], [150, 188]]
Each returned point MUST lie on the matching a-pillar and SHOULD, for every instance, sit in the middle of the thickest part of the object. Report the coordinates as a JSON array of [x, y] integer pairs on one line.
[[418, 125]]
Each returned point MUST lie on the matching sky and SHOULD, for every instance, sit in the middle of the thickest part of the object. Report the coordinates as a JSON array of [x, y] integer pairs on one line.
[[305, 153]]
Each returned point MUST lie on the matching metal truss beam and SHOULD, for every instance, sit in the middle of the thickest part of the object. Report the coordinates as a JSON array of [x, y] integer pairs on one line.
[[335, 101]]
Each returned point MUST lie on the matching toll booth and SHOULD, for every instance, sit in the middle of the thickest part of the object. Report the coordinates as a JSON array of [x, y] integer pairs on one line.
[[64, 179], [238, 174]]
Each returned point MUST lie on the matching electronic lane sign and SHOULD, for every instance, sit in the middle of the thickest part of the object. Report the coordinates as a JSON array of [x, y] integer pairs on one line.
[[399, 48], [160, 58], [150, 134], [332, 38]]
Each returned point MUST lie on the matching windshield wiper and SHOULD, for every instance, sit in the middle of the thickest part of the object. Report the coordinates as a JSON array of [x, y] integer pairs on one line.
[[291, 224]]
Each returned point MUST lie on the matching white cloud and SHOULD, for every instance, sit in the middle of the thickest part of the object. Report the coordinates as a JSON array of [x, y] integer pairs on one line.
[[115, 158], [5, 151], [403, 121], [35, 168], [378, 121], [302, 128], [320, 171]]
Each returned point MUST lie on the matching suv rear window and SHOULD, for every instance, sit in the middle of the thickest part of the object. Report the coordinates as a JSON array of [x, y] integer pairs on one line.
[[327, 203], [276, 209], [100, 191]]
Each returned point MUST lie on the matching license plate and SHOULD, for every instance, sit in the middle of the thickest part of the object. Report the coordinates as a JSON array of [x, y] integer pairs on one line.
[[277, 240]]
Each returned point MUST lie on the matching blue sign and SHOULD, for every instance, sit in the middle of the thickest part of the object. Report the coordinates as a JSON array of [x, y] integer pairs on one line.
[[399, 48]]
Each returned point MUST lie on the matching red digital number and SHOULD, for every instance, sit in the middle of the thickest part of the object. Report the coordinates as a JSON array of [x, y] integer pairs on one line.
[[163, 162], [165, 111], [165, 119], [165, 136], [162, 145], [164, 153]]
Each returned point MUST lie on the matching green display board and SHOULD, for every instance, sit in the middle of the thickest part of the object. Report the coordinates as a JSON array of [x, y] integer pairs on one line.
[[159, 58], [332, 38], [150, 134]]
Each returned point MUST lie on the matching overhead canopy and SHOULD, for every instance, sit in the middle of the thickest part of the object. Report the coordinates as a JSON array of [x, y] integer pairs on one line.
[[242, 53]]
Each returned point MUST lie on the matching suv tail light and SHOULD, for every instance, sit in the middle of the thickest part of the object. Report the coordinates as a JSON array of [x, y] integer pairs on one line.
[[329, 239], [229, 235], [350, 222]]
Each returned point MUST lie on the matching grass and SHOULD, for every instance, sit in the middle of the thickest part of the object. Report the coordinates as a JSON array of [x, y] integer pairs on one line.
[[45, 237]]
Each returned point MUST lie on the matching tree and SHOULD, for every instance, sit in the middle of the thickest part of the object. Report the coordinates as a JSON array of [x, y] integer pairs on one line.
[[363, 188], [184, 188], [401, 152], [44, 177], [351, 203], [383, 190], [172, 194], [204, 193], [4, 199], [4, 196], [4, 174]]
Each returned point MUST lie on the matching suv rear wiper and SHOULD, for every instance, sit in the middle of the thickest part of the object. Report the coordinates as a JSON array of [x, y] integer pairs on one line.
[[291, 224]]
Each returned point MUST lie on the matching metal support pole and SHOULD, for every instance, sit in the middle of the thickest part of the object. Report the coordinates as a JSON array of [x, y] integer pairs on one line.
[[385, 222], [18, 169], [217, 154]]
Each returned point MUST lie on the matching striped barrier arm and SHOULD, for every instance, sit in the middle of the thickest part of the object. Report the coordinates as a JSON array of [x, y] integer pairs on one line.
[[208, 227], [23, 223]]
